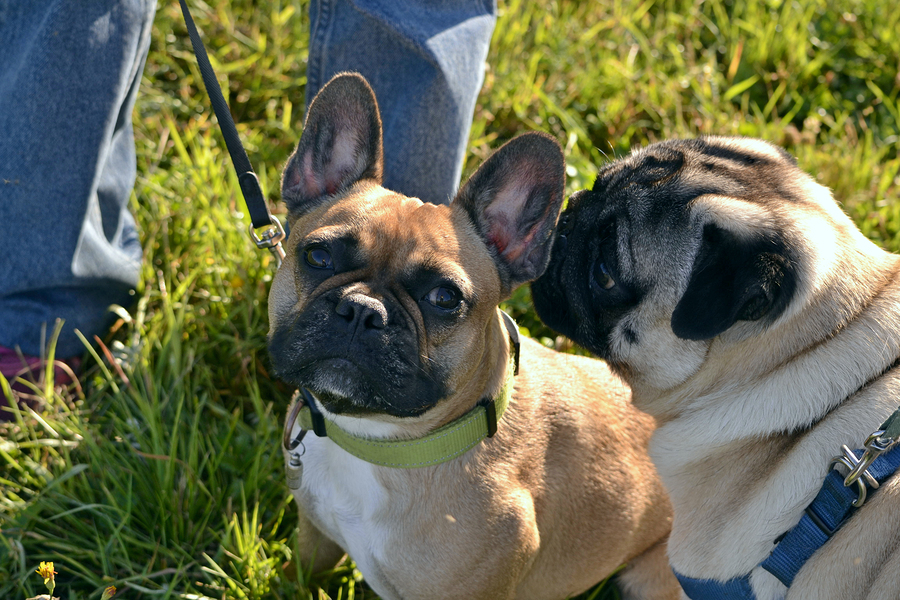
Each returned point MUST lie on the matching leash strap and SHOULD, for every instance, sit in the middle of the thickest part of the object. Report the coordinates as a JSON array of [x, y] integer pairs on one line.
[[249, 183], [891, 426]]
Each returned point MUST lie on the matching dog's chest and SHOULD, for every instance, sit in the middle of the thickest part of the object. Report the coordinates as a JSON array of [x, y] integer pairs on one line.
[[344, 497]]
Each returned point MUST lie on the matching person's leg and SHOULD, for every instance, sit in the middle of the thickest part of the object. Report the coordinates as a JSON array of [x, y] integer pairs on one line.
[[425, 60], [68, 80]]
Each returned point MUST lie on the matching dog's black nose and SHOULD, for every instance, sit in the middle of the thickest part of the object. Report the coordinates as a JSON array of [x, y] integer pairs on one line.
[[360, 309]]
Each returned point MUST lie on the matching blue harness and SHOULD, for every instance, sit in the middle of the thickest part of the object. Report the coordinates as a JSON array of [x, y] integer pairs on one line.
[[832, 507]]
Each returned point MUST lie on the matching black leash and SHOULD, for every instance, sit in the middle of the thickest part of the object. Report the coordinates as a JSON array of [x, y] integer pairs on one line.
[[260, 216]]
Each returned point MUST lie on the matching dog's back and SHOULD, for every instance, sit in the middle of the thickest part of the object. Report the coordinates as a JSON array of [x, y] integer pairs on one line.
[[609, 503]]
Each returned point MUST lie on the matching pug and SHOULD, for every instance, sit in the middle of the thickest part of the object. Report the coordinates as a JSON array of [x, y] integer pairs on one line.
[[385, 313], [761, 329]]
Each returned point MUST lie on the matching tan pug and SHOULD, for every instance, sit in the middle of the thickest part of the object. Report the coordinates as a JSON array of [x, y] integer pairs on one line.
[[762, 330], [386, 311]]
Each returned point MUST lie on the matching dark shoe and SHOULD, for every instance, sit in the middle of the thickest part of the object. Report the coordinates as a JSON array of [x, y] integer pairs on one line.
[[18, 368]]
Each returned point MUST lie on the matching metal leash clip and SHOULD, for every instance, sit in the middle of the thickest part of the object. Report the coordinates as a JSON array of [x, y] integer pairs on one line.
[[293, 466], [271, 239], [875, 446]]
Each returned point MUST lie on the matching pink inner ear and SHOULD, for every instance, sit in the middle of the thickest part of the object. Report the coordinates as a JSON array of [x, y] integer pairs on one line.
[[348, 160], [312, 184], [510, 248], [503, 214], [499, 239]]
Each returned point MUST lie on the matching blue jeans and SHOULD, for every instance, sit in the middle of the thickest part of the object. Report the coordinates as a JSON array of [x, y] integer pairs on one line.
[[68, 79], [425, 60], [68, 245]]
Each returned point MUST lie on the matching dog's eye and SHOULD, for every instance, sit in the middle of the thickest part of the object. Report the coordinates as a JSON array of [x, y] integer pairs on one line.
[[566, 222], [318, 257], [602, 276], [444, 297]]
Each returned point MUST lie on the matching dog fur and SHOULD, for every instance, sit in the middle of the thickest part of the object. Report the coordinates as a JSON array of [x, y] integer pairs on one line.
[[362, 314], [762, 330]]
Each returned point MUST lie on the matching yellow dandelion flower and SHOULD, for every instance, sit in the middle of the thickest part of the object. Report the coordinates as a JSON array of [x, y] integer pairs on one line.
[[46, 571]]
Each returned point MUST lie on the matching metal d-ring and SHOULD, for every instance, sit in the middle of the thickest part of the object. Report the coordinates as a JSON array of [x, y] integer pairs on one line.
[[287, 443], [849, 460]]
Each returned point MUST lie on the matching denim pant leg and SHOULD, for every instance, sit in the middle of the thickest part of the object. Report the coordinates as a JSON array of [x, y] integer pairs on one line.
[[425, 60], [69, 75]]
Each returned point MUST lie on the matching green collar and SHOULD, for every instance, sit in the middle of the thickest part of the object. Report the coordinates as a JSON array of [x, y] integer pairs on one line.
[[443, 444]]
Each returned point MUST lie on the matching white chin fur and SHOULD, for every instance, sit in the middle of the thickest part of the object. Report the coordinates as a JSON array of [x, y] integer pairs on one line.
[[660, 359], [378, 426]]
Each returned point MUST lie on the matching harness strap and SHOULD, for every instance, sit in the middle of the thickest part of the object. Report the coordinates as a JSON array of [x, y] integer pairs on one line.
[[833, 505], [830, 509], [710, 589]]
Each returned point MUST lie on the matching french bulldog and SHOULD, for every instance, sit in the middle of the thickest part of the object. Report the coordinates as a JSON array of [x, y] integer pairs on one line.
[[761, 329], [385, 312]]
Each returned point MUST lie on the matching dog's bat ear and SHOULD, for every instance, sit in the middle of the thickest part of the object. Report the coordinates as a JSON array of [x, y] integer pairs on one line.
[[734, 278], [514, 200], [340, 145]]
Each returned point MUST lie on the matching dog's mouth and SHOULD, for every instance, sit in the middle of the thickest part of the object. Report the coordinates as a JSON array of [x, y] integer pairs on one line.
[[373, 404], [338, 382], [338, 404], [383, 374], [347, 388]]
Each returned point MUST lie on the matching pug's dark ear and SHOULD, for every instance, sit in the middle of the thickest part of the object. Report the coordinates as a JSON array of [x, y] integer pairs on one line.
[[340, 145], [734, 279], [514, 200]]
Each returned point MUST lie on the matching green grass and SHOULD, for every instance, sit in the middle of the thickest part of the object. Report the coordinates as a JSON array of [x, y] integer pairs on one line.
[[164, 476]]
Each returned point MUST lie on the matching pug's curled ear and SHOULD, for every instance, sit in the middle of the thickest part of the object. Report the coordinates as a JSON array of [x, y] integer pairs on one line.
[[340, 145], [514, 200], [734, 279]]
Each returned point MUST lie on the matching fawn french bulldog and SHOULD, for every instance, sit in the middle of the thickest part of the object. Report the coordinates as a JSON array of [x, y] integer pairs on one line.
[[438, 468]]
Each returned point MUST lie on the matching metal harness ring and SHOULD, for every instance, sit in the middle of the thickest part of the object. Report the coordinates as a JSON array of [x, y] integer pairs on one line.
[[858, 473], [287, 443]]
